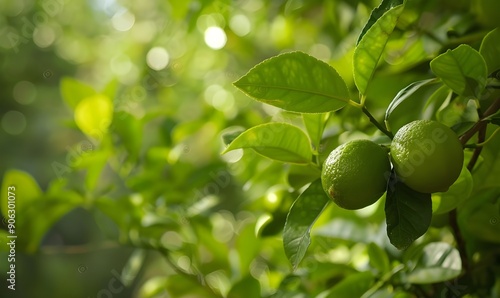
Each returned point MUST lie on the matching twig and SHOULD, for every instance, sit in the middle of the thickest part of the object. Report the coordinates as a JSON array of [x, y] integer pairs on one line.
[[376, 123]]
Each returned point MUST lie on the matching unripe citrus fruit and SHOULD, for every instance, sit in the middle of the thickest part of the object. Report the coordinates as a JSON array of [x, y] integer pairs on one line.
[[427, 156], [355, 174]]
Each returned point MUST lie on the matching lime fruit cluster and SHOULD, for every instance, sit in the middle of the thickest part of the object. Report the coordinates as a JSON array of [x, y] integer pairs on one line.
[[355, 174], [427, 156]]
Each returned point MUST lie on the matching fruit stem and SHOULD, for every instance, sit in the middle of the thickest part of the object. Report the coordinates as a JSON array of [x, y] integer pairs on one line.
[[376, 123]]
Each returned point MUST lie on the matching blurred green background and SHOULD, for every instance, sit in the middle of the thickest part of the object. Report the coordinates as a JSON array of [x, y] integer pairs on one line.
[[112, 114]]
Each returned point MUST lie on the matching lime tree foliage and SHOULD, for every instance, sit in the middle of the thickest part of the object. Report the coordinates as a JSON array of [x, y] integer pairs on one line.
[[458, 97], [324, 187]]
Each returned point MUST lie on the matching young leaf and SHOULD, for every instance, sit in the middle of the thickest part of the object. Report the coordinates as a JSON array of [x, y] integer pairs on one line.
[[315, 124], [371, 47], [408, 213], [384, 6], [462, 69], [405, 94], [301, 217], [21, 188], [93, 115], [436, 262], [74, 91], [296, 82], [279, 141], [490, 50]]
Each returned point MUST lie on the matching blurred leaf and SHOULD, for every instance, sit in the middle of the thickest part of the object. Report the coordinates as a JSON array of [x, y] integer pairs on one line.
[[301, 217], [345, 229], [129, 128], [371, 47], [462, 69], [22, 189], [132, 267], [490, 50], [300, 175], [74, 91], [405, 94], [296, 82], [278, 141], [153, 287], [246, 287], [436, 262], [187, 286], [247, 246], [315, 124], [378, 258], [354, 285], [384, 6], [93, 116], [408, 213], [443, 202]]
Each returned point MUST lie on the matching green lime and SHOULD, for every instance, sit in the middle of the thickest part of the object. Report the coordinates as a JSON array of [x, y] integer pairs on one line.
[[355, 174], [427, 156]]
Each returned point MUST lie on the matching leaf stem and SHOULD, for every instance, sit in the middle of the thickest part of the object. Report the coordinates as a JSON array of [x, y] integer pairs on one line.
[[376, 123]]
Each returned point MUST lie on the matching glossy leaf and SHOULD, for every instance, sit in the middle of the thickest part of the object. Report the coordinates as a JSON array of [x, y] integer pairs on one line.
[[408, 213], [301, 217], [371, 47], [74, 91], [279, 141], [462, 69], [490, 50], [405, 94], [436, 262], [296, 82], [378, 12]]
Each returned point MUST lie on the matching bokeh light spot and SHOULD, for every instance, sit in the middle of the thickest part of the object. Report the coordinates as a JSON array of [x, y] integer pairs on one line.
[[157, 58], [123, 20], [13, 122], [24, 92], [215, 37], [240, 25]]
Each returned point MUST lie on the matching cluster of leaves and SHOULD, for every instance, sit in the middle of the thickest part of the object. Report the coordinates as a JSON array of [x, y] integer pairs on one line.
[[312, 90], [143, 164]]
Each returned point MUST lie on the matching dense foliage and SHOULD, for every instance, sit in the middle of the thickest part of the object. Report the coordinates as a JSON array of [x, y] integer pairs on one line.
[[142, 170]]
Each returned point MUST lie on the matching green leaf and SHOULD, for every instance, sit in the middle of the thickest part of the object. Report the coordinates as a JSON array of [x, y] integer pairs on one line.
[[231, 133], [371, 47], [406, 94], [74, 91], [21, 188], [246, 287], [300, 175], [296, 82], [490, 50], [279, 141], [93, 115], [378, 258], [132, 267], [354, 285], [462, 69], [315, 124], [129, 128], [408, 213], [443, 202], [301, 217], [377, 13], [436, 262]]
